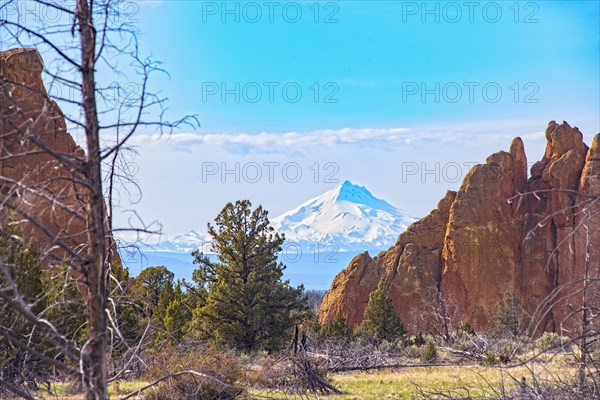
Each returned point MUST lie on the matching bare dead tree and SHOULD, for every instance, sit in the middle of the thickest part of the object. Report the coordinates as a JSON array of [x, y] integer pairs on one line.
[[441, 317], [55, 191]]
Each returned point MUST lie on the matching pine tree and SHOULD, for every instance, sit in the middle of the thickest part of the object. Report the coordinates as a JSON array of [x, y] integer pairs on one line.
[[380, 318], [337, 328], [248, 304]]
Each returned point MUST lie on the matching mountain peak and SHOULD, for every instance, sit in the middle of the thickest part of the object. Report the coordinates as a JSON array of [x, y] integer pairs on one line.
[[360, 195], [354, 193], [347, 186], [345, 216]]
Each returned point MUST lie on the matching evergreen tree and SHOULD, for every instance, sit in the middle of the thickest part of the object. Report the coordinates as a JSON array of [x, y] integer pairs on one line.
[[248, 304], [507, 317], [195, 292], [336, 328], [150, 284], [66, 305], [129, 315], [21, 267], [176, 319], [174, 311], [380, 319], [166, 296], [21, 263]]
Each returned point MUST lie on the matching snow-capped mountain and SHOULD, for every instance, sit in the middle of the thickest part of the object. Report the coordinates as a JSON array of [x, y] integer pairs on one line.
[[329, 230], [185, 243], [347, 217]]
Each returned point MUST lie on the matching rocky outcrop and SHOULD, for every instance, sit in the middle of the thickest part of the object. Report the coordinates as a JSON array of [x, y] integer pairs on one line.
[[38, 161], [482, 238], [502, 235], [412, 266], [586, 242], [350, 290], [548, 222]]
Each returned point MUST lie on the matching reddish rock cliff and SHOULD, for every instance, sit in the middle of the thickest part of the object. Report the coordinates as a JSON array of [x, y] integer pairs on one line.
[[500, 235], [483, 235], [38, 160], [585, 242], [413, 267], [350, 290]]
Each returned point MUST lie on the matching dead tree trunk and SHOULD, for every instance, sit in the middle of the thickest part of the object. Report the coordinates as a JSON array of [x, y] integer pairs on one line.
[[95, 379]]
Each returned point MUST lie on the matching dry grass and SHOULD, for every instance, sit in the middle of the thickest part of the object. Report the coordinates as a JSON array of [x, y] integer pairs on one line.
[[404, 383], [116, 390]]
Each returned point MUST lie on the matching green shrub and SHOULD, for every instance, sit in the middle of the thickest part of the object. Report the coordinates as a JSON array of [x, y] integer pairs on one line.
[[548, 341], [490, 359], [466, 328], [429, 353], [419, 340], [338, 328]]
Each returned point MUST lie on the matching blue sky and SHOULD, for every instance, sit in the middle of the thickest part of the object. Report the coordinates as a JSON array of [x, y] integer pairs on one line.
[[372, 50], [526, 63]]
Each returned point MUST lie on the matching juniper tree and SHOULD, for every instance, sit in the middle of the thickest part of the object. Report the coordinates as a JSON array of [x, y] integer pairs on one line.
[[248, 305], [21, 266], [380, 318], [337, 328], [176, 318], [150, 284]]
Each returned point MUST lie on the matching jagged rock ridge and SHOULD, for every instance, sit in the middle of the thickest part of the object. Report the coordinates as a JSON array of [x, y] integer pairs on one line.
[[502, 234]]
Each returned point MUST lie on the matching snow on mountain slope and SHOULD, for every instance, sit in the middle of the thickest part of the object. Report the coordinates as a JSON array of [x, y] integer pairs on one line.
[[347, 217], [185, 243]]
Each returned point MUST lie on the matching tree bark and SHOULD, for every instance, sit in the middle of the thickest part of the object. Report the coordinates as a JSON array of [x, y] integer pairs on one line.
[[96, 374]]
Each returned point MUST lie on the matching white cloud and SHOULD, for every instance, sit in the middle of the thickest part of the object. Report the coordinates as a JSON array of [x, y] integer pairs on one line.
[[175, 191], [296, 142]]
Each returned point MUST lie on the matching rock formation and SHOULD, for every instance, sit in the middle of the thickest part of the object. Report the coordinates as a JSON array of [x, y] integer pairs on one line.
[[38, 161], [412, 266], [502, 235], [586, 241]]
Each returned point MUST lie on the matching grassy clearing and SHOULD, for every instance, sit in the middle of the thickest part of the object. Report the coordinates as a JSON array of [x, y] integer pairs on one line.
[[402, 383], [116, 390]]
